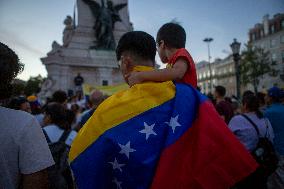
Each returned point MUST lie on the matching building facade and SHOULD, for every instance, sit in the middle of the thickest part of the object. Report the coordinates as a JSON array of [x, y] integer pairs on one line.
[[223, 73], [269, 35]]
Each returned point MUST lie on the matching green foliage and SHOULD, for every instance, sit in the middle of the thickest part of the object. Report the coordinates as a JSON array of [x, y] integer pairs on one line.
[[255, 63], [18, 87], [33, 85]]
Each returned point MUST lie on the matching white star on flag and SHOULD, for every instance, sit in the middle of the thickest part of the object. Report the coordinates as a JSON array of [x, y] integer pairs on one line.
[[126, 149], [173, 123], [118, 184], [116, 165], [148, 130]]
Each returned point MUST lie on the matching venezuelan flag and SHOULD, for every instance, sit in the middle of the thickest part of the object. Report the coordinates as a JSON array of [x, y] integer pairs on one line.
[[158, 135]]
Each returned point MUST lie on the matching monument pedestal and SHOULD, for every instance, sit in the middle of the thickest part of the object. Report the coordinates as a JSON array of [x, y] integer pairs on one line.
[[97, 67]]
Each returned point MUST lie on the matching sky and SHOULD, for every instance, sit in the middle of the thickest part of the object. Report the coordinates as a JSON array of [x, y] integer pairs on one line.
[[29, 27]]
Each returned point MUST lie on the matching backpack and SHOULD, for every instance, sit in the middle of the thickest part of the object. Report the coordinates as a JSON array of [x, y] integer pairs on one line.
[[264, 153], [59, 175]]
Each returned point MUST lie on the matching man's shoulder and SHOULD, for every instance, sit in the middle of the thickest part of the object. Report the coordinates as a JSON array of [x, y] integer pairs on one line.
[[274, 108], [141, 92], [14, 118]]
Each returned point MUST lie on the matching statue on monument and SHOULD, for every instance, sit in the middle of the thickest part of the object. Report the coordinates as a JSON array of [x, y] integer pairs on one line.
[[55, 49], [105, 16], [68, 30]]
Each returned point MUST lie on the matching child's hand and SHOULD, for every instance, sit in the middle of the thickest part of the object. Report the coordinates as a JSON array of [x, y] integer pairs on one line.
[[134, 78]]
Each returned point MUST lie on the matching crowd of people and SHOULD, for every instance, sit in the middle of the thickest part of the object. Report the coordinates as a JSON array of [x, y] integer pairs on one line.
[[36, 137]]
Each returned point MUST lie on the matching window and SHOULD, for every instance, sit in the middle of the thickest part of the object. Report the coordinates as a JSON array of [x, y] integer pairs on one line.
[[105, 83], [272, 29], [272, 43], [204, 75], [274, 57], [261, 33], [282, 38], [282, 24], [213, 72], [262, 45], [208, 74], [231, 69]]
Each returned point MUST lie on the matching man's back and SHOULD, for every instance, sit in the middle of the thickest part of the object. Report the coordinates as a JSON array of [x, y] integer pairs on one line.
[[275, 114], [23, 149]]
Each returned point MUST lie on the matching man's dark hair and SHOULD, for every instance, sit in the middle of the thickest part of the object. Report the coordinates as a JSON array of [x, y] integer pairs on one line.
[[59, 96], [172, 34], [220, 90], [139, 43], [252, 104], [15, 103], [57, 114], [10, 67]]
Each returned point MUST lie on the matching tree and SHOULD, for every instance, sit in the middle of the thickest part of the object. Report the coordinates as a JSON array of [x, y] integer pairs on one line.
[[18, 87], [255, 63], [33, 85]]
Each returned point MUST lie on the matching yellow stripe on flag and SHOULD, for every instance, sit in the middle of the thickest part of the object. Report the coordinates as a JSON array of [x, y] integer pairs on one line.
[[119, 108]]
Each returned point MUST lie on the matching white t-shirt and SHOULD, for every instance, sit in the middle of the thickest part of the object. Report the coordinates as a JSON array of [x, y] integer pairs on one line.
[[23, 148], [246, 133], [54, 133]]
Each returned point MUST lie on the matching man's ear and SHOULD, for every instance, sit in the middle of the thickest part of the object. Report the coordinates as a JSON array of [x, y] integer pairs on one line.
[[128, 62], [162, 44]]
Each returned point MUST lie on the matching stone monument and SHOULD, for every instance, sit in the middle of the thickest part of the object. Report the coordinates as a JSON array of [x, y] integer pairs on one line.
[[88, 46]]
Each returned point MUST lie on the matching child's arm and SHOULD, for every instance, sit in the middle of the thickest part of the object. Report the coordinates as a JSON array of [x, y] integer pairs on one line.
[[167, 74]]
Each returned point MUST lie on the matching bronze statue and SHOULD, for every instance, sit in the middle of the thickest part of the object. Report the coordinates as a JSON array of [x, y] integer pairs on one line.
[[105, 16]]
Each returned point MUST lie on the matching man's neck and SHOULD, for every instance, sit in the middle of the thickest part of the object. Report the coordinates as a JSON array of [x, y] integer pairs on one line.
[[219, 99]]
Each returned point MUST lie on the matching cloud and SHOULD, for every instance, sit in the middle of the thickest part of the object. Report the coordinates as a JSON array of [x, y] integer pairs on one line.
[[17, 42]]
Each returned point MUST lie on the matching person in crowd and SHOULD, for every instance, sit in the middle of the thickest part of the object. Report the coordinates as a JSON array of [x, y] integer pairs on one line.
[[36, 108], [243, 129], [55, 123], [223, 107], [243, 126], [96, 97], [24, 153], [170, 41], [261, 99], [20, 103], [275, 114], [77, 111], [60, 97], [57, 129], [71, 119]]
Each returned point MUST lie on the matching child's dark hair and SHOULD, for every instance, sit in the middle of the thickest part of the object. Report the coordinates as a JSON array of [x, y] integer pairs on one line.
[[172, 34], [252, 104], [139, 43]]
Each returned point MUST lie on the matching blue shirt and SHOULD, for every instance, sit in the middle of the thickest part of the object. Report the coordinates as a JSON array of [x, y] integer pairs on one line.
[[275, 114]]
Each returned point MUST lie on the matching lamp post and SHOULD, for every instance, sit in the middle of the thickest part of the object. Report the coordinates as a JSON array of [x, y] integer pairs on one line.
[[208, 40], [235, 46]]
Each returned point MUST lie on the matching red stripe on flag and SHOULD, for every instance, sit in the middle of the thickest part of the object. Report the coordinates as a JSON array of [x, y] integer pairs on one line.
[[208, 155]]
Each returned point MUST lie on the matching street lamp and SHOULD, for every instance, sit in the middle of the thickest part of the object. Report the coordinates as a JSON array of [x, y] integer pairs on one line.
[[235, 46], [208, 40]]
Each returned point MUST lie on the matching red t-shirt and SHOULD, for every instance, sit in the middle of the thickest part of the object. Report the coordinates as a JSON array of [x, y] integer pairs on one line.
[[190, 75]]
